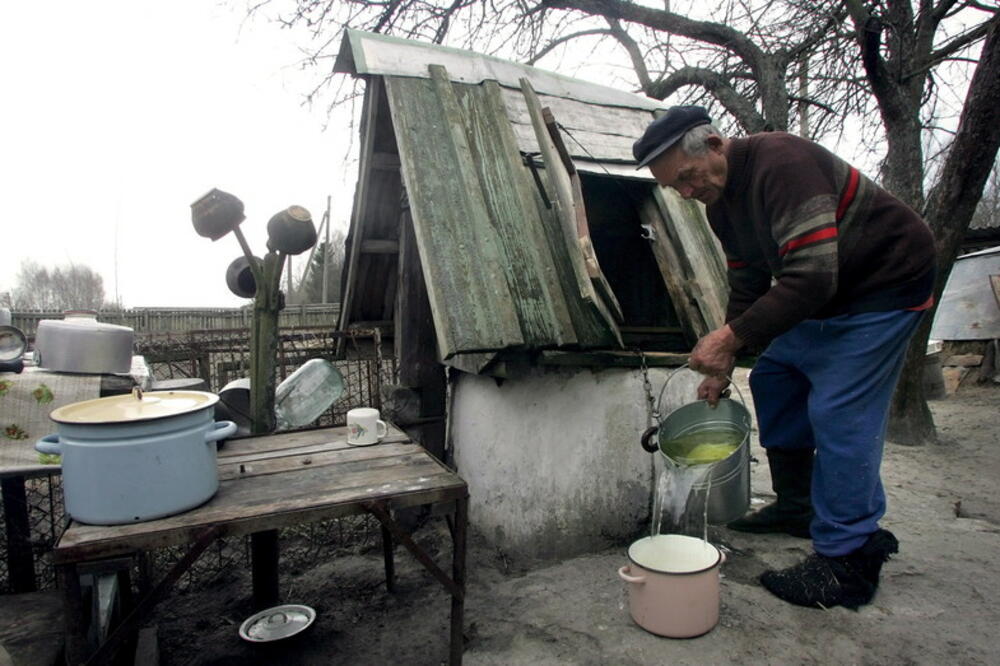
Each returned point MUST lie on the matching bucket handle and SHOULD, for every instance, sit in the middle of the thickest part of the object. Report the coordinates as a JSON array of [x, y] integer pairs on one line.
[[659, 400], [635, 580], [647, 436]]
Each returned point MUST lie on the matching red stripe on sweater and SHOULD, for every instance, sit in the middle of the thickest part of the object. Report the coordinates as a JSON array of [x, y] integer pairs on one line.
[[848, 196], [736, 264], [808, 239], [926, 305]]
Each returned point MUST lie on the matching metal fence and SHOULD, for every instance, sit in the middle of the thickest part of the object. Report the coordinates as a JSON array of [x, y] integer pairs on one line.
[[218, 357], [181, 320]]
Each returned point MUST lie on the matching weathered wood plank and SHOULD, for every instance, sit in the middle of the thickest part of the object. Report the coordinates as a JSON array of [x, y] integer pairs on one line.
[[613, 359], [295, 439], [343, 453], [89, 542], [506, 185], [669, 262], [562, 195], [459, 251], [700, 253]]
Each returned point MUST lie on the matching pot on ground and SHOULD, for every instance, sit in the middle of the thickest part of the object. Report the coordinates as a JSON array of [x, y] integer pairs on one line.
[[132, 458], [673, 585]]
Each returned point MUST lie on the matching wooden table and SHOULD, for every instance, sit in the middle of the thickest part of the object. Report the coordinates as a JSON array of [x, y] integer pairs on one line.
[[271, 482]]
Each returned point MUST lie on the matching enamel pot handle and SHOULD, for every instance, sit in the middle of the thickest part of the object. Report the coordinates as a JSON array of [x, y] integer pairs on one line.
[[652, 447], [637, 580], [221, 430], [49, 444]]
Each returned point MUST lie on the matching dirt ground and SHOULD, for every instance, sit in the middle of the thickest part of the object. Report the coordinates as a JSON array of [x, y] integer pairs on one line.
[[936, 603]]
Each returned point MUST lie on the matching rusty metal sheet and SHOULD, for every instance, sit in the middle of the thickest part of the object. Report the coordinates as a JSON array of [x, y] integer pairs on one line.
[[968, 308]]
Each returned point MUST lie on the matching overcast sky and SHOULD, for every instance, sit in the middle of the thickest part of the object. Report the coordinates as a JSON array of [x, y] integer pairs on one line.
[[118, 114]]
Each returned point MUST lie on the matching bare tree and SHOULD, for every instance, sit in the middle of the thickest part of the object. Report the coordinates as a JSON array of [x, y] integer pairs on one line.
[[67, 287], [912, 65]]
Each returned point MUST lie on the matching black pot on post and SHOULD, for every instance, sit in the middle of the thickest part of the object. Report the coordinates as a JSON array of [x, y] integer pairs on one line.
[[216, 214], [291, 231], [239, 277]]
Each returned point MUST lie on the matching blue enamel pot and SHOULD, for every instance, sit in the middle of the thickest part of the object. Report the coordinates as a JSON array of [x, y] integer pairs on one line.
[[131, 458]]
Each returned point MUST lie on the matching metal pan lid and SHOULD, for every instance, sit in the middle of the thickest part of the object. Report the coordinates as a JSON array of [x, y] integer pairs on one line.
[[274, 624], [135, 406]]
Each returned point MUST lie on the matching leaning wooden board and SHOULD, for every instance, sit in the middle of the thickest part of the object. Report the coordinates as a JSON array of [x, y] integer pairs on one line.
[[279, 480]]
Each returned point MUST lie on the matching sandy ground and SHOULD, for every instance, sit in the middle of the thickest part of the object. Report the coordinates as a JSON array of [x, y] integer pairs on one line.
[[936, 604]]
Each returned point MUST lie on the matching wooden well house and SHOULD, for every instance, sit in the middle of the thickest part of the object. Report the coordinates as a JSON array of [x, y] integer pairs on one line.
[[503, 235]]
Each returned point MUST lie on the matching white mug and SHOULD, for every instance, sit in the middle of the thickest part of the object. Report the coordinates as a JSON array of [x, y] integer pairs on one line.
[[364, 427]]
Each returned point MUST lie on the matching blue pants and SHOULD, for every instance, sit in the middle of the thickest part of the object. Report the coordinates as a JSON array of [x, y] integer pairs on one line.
[[826, 384]]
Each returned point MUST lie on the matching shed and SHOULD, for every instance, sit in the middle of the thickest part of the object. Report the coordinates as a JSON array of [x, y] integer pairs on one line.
[[500, 228], [970, 304]]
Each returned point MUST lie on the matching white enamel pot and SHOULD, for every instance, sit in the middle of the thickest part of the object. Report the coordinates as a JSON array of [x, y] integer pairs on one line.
[[131, 458], [673, 585]]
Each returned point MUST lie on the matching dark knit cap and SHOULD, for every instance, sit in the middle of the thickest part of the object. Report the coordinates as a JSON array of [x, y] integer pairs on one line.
[[667, 130]]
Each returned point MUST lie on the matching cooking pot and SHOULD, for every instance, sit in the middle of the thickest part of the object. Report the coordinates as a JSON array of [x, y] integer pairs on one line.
[[130, 458], [79, 343], [291, 231], [673, 585], [727, 486]]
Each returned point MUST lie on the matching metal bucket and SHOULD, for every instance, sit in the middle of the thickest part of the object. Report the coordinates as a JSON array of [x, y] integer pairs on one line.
[[728, 484]]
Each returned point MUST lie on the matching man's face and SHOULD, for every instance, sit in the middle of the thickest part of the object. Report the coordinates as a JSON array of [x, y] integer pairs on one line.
[[701, 177]]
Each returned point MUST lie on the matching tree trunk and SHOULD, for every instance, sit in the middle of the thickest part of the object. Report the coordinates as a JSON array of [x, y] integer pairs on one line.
[[949, 210]]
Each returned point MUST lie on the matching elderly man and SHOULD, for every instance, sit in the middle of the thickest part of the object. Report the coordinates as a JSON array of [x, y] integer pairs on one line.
[[830, 273]]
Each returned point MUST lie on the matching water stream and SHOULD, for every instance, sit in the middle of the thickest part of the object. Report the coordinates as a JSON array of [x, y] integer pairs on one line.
[[693, 457]]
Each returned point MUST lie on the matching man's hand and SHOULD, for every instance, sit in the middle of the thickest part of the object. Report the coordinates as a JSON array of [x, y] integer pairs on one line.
[[711, 389], [715, 356]]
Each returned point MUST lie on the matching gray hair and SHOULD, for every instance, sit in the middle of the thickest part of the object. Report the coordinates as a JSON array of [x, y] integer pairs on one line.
[[693, 142]]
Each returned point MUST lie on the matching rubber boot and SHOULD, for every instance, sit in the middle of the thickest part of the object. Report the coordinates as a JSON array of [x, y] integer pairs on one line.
[[791, 513]]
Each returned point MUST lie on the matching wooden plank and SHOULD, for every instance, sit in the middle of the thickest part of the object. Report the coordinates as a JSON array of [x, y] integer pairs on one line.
[[373, 92], [669, 262], [87, 541], [379, 246], [701, 255], [459, 251], [295, 439], [507, 189], [995, 285], [562, 195], [316, 460], [597, 278], [613, 359]]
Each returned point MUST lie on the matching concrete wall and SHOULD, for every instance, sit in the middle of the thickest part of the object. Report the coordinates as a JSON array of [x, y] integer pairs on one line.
[[553, 460]]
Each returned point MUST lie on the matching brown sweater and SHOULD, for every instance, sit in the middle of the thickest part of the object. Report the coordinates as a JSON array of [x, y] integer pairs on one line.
[[832, 240]]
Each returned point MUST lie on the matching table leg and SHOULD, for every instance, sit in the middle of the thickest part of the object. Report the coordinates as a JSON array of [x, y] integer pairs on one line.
[[74, 615], [390, 563], [458, 575], [20, 559], [264, 563]]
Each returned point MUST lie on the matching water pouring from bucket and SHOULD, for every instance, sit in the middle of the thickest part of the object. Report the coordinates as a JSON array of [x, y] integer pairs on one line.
[[673, 579], [709, 447]]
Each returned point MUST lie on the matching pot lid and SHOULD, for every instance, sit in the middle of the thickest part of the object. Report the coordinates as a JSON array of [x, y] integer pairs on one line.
[[273, 624], [135, 406]]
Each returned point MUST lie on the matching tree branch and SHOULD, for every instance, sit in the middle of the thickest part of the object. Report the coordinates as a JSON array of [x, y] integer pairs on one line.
[[634, 54], [548, 48], [738, 105]]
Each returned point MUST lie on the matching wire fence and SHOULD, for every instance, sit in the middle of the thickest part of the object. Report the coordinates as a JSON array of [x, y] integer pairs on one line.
[[218, 357]]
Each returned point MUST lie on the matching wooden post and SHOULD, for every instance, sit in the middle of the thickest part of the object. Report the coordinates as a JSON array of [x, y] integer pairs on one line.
[[415, 340], [264, 344], [20, 559]]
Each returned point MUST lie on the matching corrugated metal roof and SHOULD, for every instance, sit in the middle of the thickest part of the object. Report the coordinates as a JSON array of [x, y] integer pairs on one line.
[[372, 53]]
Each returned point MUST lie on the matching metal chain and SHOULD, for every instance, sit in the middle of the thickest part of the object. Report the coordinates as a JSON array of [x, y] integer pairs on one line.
[[652, 413]]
